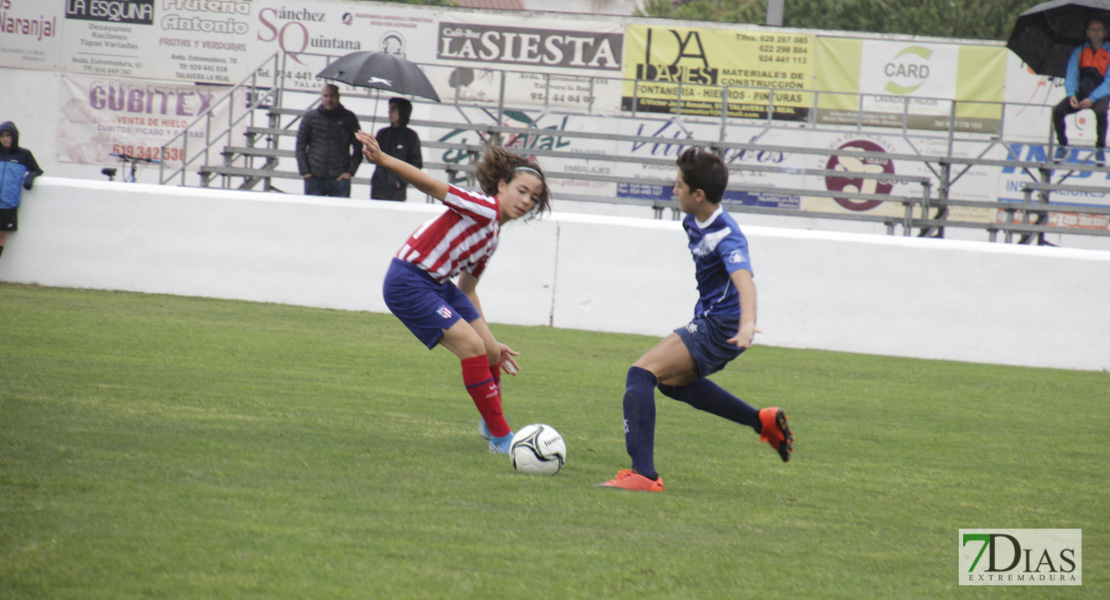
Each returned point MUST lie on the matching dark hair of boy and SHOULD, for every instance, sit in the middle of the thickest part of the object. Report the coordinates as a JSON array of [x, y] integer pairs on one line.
[[704, 170]]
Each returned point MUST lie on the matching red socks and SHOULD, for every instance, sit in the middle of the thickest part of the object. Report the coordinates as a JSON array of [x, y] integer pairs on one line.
[[495, 370], [482, 386]]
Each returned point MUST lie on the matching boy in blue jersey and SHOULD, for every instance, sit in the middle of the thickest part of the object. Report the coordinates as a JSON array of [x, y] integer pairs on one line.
[[723, 327]]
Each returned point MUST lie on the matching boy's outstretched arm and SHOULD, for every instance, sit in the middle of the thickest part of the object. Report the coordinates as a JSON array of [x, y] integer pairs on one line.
[[417, 178]]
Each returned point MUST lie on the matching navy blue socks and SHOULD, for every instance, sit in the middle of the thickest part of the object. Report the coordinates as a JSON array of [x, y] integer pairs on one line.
[[639, 420], [639, 412], [705, 395]]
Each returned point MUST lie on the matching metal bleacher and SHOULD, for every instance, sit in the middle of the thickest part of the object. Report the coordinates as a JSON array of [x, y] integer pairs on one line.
[[253, 150]]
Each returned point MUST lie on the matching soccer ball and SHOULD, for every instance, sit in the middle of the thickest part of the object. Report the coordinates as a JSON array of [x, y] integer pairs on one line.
[[538, 450]]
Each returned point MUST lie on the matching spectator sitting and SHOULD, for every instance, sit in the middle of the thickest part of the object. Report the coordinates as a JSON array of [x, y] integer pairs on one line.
[[1087, 86]]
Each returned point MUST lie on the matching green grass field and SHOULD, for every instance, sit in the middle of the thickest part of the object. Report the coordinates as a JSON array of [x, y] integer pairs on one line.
[[167, 447]]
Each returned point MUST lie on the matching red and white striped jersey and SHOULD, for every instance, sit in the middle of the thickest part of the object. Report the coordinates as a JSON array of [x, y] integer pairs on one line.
[[461, 239]]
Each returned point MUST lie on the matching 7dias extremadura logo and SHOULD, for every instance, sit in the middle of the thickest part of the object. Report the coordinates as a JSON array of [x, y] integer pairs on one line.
[[1021, 557]]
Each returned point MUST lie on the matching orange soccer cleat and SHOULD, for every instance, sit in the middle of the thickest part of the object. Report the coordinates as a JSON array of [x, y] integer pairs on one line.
[[776, 431], [631, 480]]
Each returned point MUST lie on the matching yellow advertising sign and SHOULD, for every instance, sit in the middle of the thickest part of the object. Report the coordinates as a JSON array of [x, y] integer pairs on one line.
[[696, 71], [912, 85]]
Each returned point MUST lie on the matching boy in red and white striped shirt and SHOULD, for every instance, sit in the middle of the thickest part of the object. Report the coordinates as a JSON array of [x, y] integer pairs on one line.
[[418, 287]]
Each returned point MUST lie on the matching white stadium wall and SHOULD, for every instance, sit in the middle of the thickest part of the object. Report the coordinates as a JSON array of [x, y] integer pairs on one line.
[[926, 298]]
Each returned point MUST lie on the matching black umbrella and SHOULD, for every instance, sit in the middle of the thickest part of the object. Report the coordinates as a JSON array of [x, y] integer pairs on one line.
[[1045, 35], [382, 71]]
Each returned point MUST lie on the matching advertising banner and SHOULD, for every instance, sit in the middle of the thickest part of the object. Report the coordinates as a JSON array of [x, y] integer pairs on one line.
[[687, 70], [221, 42], [553, 126], [312, 32], [972, 184], [545, 62], [910, 84], [29, 34], [852, 167], [650, 164], [736, 159], [183, 40], [100, 116], [1029, 101], [1068, 205]]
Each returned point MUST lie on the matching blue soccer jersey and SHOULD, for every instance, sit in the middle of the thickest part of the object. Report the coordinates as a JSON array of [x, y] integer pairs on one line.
[[719, 249]]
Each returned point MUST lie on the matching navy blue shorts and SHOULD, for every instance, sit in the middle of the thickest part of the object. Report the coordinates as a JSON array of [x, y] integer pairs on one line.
[[9, 219], [707, 340], [424, 306]]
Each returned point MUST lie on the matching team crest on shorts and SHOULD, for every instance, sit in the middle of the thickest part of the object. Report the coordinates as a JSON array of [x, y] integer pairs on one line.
[[444, 311], [692, 328]]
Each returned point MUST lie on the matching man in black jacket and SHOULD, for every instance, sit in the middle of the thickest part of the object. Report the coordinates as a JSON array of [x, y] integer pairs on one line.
[[327, 152], [399, 141]]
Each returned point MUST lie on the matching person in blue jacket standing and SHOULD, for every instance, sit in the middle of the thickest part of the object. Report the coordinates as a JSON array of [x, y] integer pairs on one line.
[[1087, 86], [18, 170]]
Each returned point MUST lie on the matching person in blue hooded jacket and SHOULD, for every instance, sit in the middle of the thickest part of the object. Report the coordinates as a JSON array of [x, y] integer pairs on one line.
[[18, 170], [1086, 86]]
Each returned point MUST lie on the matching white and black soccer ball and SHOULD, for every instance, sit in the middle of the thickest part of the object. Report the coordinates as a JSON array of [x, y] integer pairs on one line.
[[538, 449]]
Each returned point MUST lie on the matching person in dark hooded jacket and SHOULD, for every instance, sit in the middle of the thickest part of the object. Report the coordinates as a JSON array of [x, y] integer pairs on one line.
[[327, 152], [398, 141], [18, 168]]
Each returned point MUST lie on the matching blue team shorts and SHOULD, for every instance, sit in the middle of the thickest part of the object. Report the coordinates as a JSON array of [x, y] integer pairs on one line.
[[424, 306], [707, 340]]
